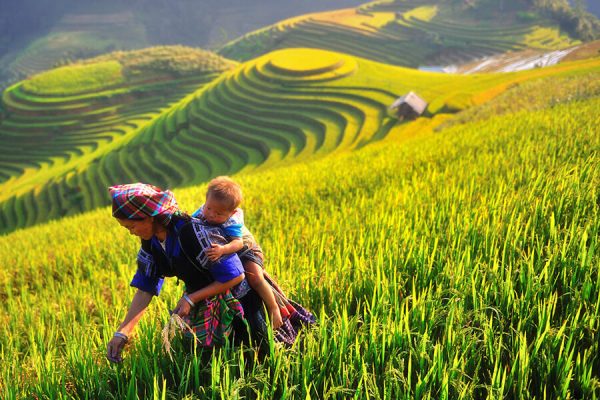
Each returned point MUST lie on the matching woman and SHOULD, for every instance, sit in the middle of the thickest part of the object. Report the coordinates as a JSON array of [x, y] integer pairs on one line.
[[173, 244]]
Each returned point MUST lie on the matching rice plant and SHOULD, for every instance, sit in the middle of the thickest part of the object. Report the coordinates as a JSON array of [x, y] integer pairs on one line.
[[459, 264]]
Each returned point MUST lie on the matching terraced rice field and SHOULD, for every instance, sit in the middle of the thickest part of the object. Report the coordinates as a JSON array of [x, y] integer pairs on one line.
[[56, 126], [402, 33], [457, 264], [287, 106], [262, 113]]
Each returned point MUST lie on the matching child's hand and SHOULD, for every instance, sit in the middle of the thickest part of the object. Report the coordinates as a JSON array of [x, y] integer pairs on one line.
[[276, 321], [215, 252]]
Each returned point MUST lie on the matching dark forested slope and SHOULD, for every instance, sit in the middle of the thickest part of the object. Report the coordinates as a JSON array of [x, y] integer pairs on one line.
[[37, 34]]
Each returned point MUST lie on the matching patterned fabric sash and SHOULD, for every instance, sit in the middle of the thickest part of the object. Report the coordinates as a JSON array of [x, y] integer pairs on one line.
[[211, 320]]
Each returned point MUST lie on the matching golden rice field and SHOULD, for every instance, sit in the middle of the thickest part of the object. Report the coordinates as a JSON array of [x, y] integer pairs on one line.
[[62, 142], [410, 33], [460, 263]]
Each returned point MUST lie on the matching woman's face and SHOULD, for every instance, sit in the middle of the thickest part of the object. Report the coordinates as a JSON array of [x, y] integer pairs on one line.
[[142, 228]]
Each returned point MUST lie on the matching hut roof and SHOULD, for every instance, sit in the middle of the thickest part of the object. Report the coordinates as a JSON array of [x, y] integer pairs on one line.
[[413, 100]]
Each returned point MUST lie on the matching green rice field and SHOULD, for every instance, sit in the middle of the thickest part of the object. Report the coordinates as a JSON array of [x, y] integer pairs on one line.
[[452, 263], [60, 152], [454, 256]]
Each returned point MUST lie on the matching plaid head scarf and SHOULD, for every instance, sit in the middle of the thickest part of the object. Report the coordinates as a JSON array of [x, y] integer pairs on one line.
[[140, 200]]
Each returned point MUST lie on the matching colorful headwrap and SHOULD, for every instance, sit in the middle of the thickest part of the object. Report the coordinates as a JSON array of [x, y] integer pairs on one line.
[[139, 200]]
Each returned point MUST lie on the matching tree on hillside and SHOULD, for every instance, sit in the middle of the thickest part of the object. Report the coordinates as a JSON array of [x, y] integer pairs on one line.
[[575, 20]]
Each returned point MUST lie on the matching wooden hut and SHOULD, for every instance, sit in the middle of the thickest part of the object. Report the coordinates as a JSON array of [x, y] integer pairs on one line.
[[409, 106]]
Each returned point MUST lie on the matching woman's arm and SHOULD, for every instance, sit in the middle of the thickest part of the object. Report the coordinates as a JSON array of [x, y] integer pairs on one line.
[[138, 305], [140, 302], [183, 307], [214, 289]]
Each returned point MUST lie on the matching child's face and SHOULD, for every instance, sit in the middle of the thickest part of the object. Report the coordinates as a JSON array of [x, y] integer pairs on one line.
[[215, 212]]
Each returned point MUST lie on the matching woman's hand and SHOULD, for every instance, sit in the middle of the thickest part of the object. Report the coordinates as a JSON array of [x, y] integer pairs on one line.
[[139, 303], [183, 308], [114, 349]]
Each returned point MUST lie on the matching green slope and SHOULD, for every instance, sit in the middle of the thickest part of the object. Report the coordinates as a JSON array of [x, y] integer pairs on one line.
[[283, 107], [410, 33], [56, 124], [456, 264]]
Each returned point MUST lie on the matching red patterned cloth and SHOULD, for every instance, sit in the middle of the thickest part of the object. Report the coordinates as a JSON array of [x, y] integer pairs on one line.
[[211, 319], [141, 200]]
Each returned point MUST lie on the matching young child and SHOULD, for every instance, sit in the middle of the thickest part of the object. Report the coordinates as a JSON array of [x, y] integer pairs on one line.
[[221, 208]]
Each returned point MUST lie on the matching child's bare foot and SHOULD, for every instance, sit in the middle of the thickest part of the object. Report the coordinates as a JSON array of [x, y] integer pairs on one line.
[[276, 319]]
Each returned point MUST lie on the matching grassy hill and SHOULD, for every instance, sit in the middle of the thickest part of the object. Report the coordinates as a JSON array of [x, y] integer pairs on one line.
[[56, 124], [290, 105], [410, 33], [451, 264]]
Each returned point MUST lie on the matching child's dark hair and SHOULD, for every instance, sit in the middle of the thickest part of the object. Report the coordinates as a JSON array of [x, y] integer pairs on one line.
[[225, 190]]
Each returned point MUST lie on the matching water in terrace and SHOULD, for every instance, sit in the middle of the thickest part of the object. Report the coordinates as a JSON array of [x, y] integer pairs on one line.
[[503, 62], [438, 68]]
